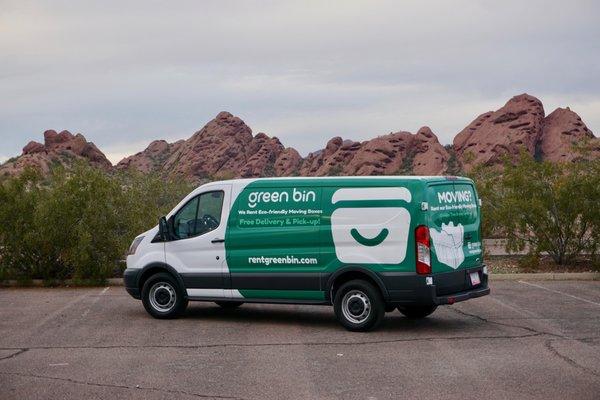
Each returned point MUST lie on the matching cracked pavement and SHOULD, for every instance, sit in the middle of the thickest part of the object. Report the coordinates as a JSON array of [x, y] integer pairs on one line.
[[528, 340]]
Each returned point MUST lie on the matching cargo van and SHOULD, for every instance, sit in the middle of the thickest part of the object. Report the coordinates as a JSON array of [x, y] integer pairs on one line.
[[366, 245]]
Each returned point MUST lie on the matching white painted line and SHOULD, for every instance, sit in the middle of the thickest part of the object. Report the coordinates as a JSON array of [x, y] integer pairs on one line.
[[56, 313], [521, 311], [58, 364], [86, 312], [559, 292]]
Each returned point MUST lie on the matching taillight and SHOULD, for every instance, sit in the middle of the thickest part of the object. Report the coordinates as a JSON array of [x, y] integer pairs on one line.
[[422, 250]]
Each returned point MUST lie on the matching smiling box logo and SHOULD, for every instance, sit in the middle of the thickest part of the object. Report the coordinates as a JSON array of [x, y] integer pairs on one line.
[[371, 235]]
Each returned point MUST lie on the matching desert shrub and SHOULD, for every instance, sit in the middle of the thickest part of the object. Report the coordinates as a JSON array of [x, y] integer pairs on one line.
[[489, 191], [83, 224], [543, 206], [18, 239], [77, 223], [529, 262]]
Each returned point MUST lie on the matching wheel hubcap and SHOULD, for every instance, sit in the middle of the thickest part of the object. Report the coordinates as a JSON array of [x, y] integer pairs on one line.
[[162, 296], [356, 306]]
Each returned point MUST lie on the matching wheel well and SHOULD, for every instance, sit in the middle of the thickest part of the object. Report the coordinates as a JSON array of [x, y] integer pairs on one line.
[[151, 271], [349, 276]]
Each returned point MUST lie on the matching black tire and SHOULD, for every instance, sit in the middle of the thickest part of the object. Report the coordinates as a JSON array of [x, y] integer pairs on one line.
[[358, 306], [417, 312], [229, 304], [162, 297]]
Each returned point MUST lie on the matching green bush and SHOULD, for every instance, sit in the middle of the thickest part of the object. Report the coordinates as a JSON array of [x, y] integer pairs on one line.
[[77, 223], [543, 206], [19, 253]]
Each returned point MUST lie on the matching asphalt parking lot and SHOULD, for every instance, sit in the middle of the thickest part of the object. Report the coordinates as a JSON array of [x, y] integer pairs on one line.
[[538, 340]]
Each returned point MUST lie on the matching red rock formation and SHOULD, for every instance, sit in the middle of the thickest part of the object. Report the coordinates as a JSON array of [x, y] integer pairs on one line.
[[226, 148], [395, 153], [261, 155], [430, 157], [223, 148], [33, 147], [331, 160], [521, 125], [563, 132], [288, 162], [61, 148], [492, 135], [152, 159]]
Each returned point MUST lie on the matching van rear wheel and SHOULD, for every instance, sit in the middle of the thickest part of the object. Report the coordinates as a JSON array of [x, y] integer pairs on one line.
[[162, 297], [417, 312], [358, 306], [229, 304]]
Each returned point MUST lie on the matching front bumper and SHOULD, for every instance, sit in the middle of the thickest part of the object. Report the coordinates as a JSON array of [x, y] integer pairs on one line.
[[444, 288], [130, 279]]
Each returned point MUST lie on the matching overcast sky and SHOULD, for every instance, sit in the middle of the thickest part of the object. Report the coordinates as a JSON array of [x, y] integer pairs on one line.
[[126, 73]]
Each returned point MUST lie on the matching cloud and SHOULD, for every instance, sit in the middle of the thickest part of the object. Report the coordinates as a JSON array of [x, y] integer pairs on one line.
[[124, 73]]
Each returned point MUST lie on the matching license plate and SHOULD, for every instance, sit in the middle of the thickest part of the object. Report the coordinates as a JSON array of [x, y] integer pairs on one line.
[[475, 278]]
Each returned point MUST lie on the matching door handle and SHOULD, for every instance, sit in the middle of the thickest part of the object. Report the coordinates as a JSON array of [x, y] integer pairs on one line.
[[217, 240]]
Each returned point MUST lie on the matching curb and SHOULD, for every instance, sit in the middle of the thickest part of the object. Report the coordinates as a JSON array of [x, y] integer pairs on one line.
[[543, 276], [65, 283], [548, 276]]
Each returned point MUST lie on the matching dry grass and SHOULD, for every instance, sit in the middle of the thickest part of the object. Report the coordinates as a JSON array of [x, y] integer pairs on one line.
[[520, 264]]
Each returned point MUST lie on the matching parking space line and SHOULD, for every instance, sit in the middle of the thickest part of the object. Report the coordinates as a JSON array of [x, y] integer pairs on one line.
[[86, 312], [559, 292], [514, 308], [58, 312]]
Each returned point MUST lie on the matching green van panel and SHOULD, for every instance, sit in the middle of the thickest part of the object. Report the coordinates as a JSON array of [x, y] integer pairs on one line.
[[454, 225], [284, 235]]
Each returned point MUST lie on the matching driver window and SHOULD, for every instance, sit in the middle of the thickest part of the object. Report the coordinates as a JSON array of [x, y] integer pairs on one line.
[[185, 220], [209, 212], [200, 215]]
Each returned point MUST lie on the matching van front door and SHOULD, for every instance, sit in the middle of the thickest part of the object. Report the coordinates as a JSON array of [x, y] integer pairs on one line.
[[197, 251]]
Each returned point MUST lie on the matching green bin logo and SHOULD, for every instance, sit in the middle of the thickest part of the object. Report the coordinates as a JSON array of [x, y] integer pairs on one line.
[[368, 234]]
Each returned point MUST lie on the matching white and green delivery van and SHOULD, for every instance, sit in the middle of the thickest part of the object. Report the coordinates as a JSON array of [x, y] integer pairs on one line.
[[365, 245]]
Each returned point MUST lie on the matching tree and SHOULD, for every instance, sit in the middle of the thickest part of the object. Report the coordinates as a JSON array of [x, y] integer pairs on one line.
[[78, 222], [19, 254], [547, 207]]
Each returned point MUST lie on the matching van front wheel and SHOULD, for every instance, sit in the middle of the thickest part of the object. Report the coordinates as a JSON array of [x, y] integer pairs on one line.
[[358, 306], [417, 312], [162, 296]]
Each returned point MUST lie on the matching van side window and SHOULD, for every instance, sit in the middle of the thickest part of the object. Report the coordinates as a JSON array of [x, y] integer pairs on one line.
[[185, 219], [209, 212], [200, 215]]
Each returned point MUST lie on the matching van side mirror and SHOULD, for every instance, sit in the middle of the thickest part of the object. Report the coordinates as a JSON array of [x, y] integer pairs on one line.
[[163, 229]]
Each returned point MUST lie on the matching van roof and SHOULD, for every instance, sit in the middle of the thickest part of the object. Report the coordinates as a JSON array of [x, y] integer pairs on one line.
[[433, 178]]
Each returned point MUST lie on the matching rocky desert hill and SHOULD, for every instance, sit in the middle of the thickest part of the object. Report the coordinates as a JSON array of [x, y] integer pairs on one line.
[[522, 124], [226, 147], [58, 148]]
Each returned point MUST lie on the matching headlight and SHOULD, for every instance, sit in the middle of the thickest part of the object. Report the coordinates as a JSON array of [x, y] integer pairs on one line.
[[134, 245]]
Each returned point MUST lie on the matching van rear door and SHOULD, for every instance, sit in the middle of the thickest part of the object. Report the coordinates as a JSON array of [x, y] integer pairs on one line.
[[453, 225]]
